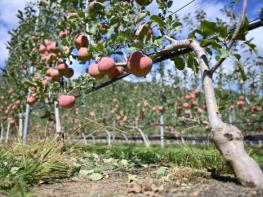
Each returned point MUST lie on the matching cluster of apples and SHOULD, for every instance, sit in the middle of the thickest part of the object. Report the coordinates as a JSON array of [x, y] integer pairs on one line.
[[7, 109], [138, 64], [81, 42], [241, 102], [11, 106], [255, 110], [55, 73], [190, 102], [49, 51]]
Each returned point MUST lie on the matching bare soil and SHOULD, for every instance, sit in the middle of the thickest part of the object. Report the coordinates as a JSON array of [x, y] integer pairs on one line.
[[176, 182]]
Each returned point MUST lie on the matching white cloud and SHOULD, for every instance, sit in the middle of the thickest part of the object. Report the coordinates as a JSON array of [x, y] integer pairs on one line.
[[8, 10], [8, 21]]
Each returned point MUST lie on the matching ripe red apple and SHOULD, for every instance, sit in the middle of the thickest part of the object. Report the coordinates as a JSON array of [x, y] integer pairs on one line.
[[83, 54], [54, 73], [18, 102], [197, 91], [10, 91], [240, 104], [11, 121], [106, 65], [42, 48], [68, 73], [81, 40], [93, 71], [256, 109], [192, 96], [144, 2], [118, 71], [186, 105], [66, 101], [241, 98], [51, 46], [64, 33], [139, 64], [179, 108], [62, 67], [31, 99], [145, 27], [200, 110], [187, 97], [194, 104]]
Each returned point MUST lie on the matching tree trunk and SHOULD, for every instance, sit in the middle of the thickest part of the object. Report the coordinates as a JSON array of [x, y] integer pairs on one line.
[[26, 124], [7, 132], [108, 137], [20, 125], [2, 132], [162, 130], [84, 138], [228, 138], [59, 133], [125, 137], [93, 139], [145, 140]]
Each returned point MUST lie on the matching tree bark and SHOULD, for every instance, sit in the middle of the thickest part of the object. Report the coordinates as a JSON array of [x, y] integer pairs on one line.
[[20, 125], [227, 138], [7, 132], [59, 133], [2, 132]]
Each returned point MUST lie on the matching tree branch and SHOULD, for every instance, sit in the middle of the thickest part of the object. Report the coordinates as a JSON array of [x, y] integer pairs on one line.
[[233, 39]]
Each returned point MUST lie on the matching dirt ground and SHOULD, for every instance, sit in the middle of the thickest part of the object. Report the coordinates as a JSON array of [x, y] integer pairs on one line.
[[177, 182]]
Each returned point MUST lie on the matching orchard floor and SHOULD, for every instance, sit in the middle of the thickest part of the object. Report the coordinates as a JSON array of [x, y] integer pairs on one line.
[[40, 169], [179, 182]]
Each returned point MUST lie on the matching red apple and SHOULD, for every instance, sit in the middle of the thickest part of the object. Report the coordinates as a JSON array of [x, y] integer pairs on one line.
[[66, 101], [139, 64], [93, 71], [106, 65]]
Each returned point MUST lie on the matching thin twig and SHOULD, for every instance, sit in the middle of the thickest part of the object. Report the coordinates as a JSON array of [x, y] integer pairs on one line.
[[233, 39]]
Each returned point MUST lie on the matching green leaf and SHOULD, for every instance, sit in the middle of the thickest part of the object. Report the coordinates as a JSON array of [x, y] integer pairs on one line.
[[96, 176], [206, 42], [85, 172], [158, 20], [161, 171], [238, 56], [242, 71], [179, 62], [208, 27], [224, 53], [140, 17]]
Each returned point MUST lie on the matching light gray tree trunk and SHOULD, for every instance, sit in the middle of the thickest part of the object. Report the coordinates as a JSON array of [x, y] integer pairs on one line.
[[84, 138], [27, 114], [93, 139], [162, 129], [59, 132], [108, 137], [57, 118], [227, 138], [2, 132], [145, 139], [20, 125], [7, 132]]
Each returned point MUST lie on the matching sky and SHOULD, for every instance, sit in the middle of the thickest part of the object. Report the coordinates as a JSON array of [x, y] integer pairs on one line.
[[9, 8]]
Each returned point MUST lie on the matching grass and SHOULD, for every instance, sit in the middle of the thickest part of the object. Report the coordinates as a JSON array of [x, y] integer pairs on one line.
[[25, 165], [22, 166]]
